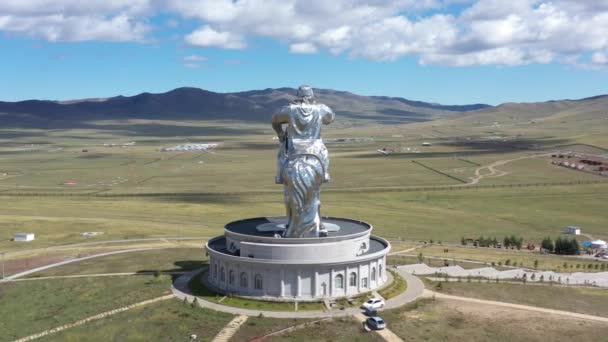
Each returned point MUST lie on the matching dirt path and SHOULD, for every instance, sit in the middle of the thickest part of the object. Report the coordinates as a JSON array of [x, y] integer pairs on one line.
[[431, 294], [92, 318], [97, 275], [495, 173]]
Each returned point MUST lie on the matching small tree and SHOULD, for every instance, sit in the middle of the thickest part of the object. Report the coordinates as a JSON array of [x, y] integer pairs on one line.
[[194, 302], [533, 277], [420, 257], [535, 264], [542, 278], [507, 262], [439, 286], [463, 241]]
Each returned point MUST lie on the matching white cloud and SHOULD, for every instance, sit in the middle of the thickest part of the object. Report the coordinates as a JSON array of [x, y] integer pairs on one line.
[[208, 37], [480, 32], [192, 65], [303, 48], [194, 58], [75, 20]]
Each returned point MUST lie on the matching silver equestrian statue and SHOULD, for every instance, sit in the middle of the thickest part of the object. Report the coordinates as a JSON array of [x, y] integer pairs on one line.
[[302, 162]]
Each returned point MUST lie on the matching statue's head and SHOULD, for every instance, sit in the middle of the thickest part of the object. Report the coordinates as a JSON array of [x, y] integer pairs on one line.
[[305, 93]]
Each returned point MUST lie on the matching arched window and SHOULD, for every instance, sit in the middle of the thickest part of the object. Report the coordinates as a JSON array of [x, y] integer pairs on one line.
[[222, 276], [352, 279], [339, 280], [380, 271], [373, 274], [258, 282], [214, 271], [231, 277], [243, 279]]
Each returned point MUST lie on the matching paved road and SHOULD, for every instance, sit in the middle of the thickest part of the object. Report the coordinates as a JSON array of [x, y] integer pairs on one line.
[[429, 293]]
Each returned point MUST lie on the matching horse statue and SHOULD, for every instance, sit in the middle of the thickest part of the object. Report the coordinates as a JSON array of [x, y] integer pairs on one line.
[[302, 162]]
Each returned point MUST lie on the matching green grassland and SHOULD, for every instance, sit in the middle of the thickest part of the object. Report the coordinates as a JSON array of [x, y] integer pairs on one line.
[[584, 300], [137, 191], [165, 321], [164, 260], [444, 320], [33, 306]]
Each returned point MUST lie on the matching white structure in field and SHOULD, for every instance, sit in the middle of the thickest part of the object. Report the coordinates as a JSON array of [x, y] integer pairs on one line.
[[599, 244], [573, 230], [249, 260], [24, 237]]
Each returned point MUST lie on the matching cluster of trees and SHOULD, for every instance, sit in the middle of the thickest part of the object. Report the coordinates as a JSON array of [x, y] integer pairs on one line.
[[513, 241], [508, 241], [561, 246]]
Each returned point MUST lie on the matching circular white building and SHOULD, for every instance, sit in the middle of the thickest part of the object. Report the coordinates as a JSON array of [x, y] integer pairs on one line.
[[251, 259]]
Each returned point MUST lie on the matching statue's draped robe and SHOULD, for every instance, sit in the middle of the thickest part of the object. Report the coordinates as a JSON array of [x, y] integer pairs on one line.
[[303, 167]]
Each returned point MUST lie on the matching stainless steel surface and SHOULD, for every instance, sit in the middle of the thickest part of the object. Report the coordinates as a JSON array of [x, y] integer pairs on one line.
[[302, 162]]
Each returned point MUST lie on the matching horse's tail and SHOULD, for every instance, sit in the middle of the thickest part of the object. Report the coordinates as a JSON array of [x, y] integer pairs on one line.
[[303, 177]]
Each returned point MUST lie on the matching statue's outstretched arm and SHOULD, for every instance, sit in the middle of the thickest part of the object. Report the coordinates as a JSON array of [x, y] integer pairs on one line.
[[328, 115], [278, 120]]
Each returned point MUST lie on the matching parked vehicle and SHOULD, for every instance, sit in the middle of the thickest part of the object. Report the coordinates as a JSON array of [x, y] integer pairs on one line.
[[375, 323], [373, 304]]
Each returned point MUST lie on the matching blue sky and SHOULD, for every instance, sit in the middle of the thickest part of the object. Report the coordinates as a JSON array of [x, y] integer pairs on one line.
[[451, 52]]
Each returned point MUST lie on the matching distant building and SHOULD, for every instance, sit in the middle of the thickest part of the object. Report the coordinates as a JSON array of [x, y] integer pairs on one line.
[[573, 230], [598, 244], [24, 237], [427, 144]]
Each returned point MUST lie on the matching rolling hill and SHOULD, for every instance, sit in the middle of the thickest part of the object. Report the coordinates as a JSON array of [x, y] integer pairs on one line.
[[198, 104]]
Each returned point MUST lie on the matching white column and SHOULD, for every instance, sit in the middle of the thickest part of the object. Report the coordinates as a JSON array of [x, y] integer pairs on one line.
[[282, 283], [359, 278], [346, 280], [330, 290], [298, 285], [315, 282]]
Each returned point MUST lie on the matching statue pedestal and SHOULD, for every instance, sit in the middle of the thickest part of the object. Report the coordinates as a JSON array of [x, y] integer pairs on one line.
[[248, 260]]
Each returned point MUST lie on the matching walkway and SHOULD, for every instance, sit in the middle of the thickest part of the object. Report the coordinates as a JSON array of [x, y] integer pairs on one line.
[[92, 318], [577, 278], [180, 289], [430, 294], [230, 329]]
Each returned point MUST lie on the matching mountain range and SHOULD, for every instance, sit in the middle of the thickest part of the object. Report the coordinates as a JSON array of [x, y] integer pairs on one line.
[[258, 105], [198, 104]]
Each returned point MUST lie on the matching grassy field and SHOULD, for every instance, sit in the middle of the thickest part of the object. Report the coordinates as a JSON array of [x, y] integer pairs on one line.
[[395, 288], [575, 299], [166, 321], [33, 306], [161, 194], [260, 326], [170, 259], [444, 320]]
